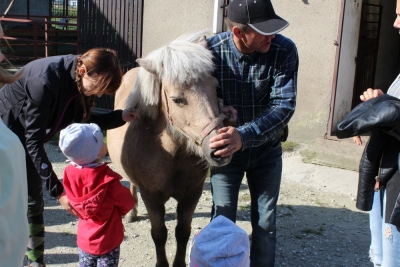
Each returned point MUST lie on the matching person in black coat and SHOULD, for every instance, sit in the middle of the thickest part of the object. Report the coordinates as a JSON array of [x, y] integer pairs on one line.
[[52, 93], [379, 177]]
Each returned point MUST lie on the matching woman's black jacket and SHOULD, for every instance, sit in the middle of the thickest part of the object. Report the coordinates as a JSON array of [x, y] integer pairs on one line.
[[380, 158], [43, 101]]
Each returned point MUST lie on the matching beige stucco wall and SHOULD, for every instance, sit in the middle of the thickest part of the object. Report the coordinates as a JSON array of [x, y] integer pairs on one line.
[[163, 20], [313, 27]]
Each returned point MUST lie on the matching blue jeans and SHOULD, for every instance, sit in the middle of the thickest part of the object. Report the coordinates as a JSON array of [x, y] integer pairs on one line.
[[263, 168], [385, 237]]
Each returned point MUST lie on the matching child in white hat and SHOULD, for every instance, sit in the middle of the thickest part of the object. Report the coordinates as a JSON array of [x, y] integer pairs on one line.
[[95, 192], [220, 244]]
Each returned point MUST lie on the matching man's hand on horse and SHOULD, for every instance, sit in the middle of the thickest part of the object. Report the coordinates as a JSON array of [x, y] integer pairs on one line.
[[232, 116], [129, 115], [229, 139]]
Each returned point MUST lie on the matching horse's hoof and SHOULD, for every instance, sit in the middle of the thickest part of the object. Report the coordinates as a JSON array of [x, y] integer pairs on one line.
[[130, 219]]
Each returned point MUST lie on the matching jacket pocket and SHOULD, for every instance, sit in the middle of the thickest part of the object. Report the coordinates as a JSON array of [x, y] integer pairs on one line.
[[262, 89]]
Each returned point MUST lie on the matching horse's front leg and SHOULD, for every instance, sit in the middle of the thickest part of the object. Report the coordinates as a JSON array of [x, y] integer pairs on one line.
[[156, 210], [185, 210], [132, 215]]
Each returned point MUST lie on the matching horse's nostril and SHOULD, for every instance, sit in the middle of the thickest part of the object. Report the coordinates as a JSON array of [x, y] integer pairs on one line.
[[213, 156], [216, 158]]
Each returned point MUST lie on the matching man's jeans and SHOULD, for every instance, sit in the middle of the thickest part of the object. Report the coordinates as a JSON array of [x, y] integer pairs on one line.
[[263, 167], [385, 237]]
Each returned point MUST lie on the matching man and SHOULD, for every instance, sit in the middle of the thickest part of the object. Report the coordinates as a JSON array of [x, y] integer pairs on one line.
[[257, 72]]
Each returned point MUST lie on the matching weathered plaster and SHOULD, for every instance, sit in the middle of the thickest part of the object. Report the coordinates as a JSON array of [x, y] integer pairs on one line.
[[163, 20], [314, 29]]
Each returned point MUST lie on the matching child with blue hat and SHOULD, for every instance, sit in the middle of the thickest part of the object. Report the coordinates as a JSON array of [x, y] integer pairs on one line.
[[96, 194]]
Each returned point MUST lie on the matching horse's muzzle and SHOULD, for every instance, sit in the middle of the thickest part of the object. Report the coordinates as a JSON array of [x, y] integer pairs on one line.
[[217, 161]]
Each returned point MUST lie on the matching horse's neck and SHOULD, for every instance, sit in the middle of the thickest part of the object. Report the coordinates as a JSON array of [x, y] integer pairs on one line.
[[161, 133]]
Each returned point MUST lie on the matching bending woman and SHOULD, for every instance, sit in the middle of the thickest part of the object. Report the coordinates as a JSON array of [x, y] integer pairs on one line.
[[52, 93]]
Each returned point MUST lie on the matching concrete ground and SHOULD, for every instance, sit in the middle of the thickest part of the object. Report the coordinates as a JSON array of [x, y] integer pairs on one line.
[[343, 154]]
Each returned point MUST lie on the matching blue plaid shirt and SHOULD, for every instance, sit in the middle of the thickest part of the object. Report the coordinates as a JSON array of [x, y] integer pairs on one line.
[[260, 86]]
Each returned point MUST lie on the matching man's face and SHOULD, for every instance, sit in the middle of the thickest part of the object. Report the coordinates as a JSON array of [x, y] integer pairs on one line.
[[397, 21], [254, 41]]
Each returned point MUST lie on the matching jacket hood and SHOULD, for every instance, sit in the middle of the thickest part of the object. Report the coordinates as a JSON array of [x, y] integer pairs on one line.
[[87, 194]]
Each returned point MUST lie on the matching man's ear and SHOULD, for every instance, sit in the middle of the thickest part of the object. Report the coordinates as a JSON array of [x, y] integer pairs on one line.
[[237, 32]]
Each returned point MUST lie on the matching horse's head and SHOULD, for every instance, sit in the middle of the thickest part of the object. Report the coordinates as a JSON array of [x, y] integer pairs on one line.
[[176, 80]]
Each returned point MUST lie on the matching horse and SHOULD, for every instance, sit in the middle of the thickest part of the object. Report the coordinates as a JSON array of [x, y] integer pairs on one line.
[[166, 151]]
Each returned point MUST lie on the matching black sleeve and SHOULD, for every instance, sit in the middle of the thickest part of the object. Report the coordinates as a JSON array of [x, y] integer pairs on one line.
[[107, 119], [382, 113], [369, 169], [36, 115]]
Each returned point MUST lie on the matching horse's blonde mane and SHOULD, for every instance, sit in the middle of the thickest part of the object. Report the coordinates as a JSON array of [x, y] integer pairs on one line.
[[182, 62]]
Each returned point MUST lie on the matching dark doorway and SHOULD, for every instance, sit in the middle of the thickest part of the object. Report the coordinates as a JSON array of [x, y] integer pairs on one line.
[[367, 53]]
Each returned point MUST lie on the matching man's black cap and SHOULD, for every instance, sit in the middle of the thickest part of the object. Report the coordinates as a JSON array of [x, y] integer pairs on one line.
[[258, 14]]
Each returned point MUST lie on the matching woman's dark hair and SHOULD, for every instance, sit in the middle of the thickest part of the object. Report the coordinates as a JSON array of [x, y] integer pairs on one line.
[[102, 66]]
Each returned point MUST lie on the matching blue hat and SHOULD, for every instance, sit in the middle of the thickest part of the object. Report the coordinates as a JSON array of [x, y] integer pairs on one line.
[[220, 244], [81, 142]]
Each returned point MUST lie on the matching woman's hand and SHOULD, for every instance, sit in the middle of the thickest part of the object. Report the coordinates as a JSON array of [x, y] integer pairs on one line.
[[370, 93], [357, 140], [129, 115], [64, 202]]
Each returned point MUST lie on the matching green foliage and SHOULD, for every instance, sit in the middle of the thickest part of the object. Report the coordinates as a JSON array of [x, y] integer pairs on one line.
[[308, 156], [318, 231], [289, 146]]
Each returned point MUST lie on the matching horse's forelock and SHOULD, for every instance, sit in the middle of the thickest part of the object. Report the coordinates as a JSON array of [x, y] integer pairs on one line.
[[182, 63], [186, 63], [144, 95]]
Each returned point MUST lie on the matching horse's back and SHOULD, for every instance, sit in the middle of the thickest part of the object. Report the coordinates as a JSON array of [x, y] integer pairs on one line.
[[126, 87]]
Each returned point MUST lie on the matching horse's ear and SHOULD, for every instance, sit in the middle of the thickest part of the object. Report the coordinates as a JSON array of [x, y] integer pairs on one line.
[[203, 42], [147, 64]]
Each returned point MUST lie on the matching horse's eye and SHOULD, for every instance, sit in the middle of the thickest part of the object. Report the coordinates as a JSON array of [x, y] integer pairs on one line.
[[178, 101]]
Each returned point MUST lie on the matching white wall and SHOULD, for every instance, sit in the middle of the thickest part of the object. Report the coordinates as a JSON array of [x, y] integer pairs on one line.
[[314, 28]]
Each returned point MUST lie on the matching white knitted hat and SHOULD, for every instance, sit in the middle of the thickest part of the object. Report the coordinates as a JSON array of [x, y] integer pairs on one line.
[[81, 142]]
